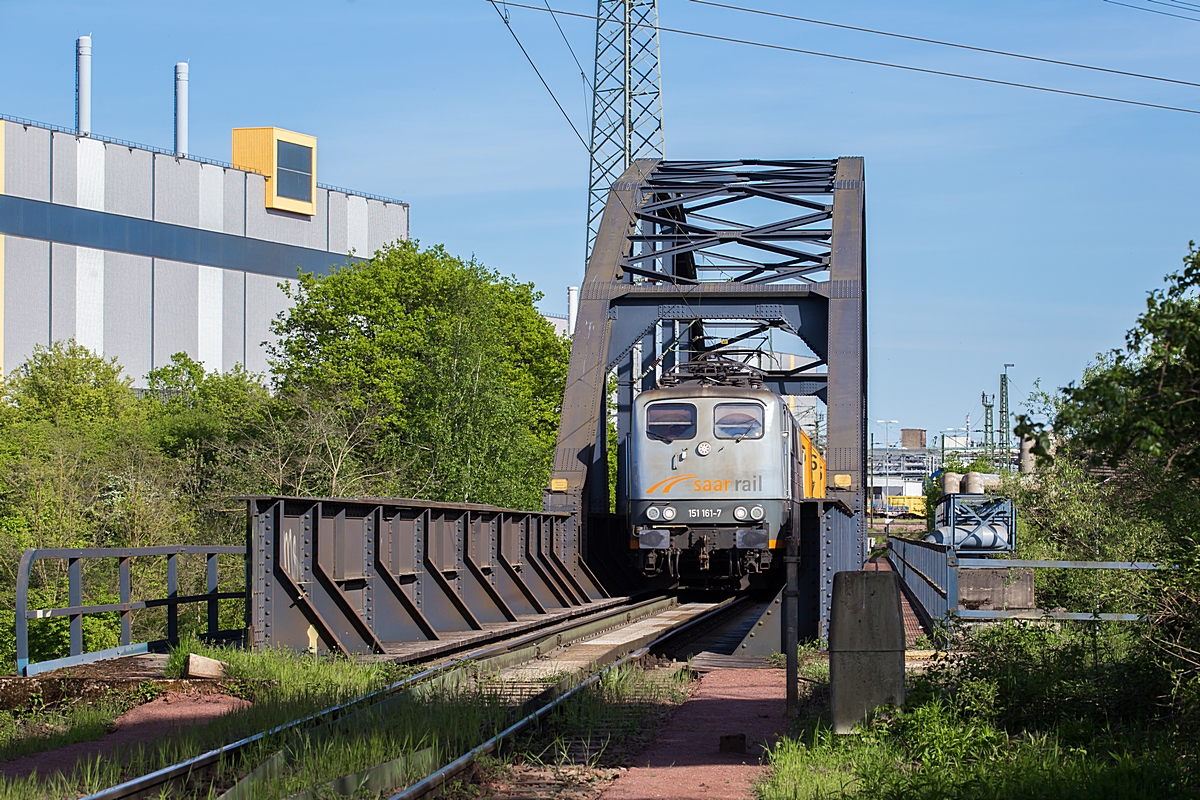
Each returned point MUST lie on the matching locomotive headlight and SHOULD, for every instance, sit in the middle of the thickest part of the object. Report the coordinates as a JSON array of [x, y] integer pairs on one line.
[[653, 512], [757, 512], [739, 512], [668, 513]]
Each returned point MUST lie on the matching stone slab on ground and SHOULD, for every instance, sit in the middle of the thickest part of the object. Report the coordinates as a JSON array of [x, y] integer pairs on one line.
[[146, 723], [199, 666], [685, 759], [96, 680]]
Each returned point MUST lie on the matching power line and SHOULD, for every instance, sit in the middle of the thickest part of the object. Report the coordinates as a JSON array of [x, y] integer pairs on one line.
[[1177, 6], [1151, 11], [947, 44], [872, 62], [587, 85], [582, 72], [508, 25]]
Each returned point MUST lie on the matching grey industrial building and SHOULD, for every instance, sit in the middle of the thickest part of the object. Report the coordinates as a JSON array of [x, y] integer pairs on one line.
[[140, 253]]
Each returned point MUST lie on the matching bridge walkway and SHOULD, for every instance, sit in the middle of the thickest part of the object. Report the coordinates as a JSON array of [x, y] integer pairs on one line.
[[913, 630]]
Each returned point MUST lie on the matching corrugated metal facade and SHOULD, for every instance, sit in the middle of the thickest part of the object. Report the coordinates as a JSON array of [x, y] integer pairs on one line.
[[143, 309]]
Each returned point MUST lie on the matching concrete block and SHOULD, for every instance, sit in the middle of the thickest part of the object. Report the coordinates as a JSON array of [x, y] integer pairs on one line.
[[865, 614], [202, 667], [866, 646], [996, 589]]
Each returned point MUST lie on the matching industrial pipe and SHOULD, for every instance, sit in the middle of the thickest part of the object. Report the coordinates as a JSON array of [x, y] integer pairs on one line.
[[83, 86], [181, 108]]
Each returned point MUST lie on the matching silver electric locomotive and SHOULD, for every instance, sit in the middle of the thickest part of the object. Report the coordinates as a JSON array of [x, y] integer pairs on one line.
[[715, 468]]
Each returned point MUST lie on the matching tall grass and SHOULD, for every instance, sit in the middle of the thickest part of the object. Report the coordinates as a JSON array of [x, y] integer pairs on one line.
[[609, 721], [1019, 711], [281, 685]]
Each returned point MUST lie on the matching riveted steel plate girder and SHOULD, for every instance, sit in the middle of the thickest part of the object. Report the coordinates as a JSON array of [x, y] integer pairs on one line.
[[358, 576]]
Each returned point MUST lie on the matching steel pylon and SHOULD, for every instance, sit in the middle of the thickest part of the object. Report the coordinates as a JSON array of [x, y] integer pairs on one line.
[[627, 118]]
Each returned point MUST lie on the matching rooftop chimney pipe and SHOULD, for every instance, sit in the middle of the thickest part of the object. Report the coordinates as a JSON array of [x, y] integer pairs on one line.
[[83, 86], [181, 108]]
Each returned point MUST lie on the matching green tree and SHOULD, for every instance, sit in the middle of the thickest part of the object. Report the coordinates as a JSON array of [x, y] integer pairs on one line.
[[80, 466], [68, 382], [1143, 399], [447, 366]]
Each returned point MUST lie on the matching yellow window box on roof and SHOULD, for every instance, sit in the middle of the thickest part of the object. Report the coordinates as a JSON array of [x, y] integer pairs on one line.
[[288, 160]]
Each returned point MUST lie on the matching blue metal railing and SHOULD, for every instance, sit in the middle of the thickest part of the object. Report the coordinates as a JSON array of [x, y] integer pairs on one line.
[[76, 610], [930, 572]]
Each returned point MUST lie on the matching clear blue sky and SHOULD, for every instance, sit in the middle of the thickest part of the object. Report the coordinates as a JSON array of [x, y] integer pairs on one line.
[[1005, 225]]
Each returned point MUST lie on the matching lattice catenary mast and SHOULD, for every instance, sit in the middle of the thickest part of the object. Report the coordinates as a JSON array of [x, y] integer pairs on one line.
[[627, 121]]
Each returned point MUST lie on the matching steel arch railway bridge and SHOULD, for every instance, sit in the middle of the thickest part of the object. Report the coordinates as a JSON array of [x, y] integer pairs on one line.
[[691, 258]]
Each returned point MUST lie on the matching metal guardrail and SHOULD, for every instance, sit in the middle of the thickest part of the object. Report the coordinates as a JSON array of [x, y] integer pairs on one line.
[[76, 609], [33, 123], [930, 573], [184, 156]]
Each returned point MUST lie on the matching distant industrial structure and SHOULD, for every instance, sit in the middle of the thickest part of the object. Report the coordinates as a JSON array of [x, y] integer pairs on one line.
[[139, 253], [899, 473]]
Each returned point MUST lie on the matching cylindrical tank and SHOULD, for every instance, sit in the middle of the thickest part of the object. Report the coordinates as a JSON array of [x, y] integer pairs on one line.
[[181, 108], [972, 483], [974, 537], [951, 483], [83, 85]]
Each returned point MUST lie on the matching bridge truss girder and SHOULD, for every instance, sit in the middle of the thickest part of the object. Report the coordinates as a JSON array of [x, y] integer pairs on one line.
[[685, 248]]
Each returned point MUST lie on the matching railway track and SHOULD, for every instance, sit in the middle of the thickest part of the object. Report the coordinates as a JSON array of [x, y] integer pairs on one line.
[[691, 622], [532, 673]]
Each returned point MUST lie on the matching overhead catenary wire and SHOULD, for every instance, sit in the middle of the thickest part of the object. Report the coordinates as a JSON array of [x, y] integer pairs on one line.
[[1192, 6], [1175, 5], [1152, 10], [582, 71], [942, 43], [873, 62], [524, 52], [587, 85]]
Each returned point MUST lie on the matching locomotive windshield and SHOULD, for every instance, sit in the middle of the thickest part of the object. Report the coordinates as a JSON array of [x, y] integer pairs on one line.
[[670, 421], [738, 421]]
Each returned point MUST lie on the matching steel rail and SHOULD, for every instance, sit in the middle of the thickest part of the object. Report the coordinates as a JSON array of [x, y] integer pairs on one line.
[[136, 786], [437, 781]]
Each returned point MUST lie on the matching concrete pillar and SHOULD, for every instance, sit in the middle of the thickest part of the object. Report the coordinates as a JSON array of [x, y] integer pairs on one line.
[[866, 646], [572, 308], [1028, 462]]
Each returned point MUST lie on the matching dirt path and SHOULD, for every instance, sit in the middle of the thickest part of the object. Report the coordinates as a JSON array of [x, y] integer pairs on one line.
[[145, 723], [685, 762]]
